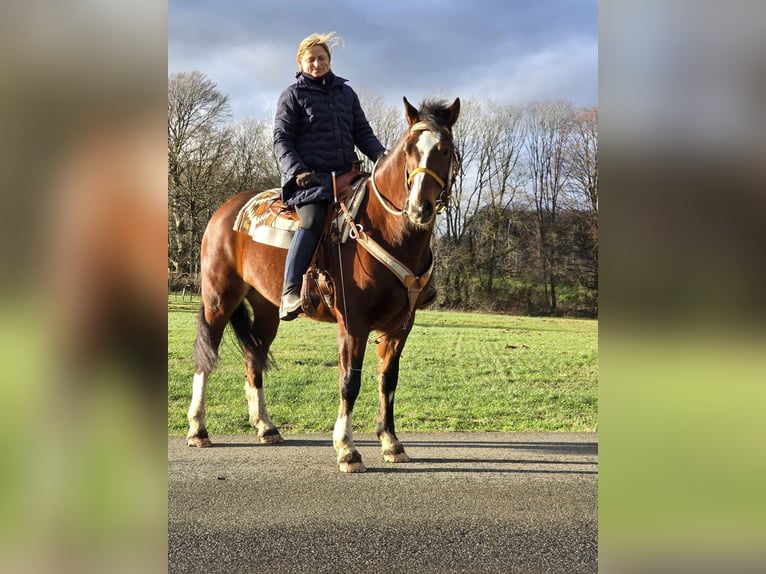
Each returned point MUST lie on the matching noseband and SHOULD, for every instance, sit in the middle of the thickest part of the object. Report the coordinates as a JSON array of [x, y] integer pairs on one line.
[[441, 203], [443, 200]]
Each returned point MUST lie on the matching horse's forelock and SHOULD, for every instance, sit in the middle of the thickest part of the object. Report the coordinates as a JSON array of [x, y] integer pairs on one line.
[[434, 112]]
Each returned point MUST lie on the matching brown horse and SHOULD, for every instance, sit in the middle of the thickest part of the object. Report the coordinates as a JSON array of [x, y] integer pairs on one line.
[[374, 292]]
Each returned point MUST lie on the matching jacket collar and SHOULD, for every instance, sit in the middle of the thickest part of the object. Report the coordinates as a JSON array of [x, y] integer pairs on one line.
[[325, 82]]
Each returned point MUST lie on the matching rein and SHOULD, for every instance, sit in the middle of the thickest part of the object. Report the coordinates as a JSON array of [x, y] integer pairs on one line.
[[382, 199]]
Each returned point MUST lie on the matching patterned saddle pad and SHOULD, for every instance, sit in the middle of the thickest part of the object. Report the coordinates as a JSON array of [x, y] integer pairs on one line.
[[267, 220]]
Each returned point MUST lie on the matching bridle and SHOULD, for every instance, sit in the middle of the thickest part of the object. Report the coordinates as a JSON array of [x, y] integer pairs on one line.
[[442, 202]]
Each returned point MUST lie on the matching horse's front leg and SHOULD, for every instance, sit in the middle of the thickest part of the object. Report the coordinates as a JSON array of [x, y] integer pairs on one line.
[[389, 350], [351, 357]]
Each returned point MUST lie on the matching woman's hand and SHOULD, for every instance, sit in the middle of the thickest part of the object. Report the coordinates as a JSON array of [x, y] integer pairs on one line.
[[307, 179]]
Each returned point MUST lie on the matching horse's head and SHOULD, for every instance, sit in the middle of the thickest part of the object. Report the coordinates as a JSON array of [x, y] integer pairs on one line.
[[430, 159]]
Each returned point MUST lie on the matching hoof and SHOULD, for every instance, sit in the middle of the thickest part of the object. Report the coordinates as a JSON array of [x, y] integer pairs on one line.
[[396, 457], [352, 467], [199, 442], [273, 438]]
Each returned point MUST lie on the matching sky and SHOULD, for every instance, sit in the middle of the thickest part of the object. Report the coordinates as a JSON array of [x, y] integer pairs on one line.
[[509, 51]]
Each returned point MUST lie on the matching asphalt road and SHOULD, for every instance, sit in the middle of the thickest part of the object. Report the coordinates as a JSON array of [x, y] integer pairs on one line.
[[468, 503]]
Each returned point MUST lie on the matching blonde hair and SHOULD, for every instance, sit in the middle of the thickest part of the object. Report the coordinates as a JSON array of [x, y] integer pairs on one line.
[[331, 39]]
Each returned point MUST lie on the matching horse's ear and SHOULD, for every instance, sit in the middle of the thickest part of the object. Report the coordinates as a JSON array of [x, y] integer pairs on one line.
[[453, 111], [410, 112]]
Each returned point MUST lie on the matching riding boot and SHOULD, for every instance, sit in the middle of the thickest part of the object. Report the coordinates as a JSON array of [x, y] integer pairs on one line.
[[299, 256]]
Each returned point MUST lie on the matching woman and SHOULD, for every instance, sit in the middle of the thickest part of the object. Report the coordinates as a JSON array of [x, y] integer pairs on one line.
[[318, 122]]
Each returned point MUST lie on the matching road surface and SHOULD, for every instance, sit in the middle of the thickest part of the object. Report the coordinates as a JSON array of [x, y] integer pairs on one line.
[[468, 503]]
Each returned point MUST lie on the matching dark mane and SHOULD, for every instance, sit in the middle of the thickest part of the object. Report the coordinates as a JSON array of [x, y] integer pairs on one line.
[[434, 112]]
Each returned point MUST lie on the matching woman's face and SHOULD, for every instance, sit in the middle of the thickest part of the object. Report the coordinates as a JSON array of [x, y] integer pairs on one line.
[[315, 62]]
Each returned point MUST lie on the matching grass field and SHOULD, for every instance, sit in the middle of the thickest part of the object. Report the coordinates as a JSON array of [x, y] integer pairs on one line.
[[459, 372]]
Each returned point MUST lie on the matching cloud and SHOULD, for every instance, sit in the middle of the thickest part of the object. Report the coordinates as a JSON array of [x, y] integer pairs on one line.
[[516, 52], [568, 71]]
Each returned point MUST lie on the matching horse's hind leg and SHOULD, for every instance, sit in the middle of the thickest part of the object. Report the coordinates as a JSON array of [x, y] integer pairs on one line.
[[197, 435], [389, 351], [262, 332], [210, 327]]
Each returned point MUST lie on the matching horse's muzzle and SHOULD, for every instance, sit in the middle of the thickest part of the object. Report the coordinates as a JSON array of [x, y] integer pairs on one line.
[[421, 215]]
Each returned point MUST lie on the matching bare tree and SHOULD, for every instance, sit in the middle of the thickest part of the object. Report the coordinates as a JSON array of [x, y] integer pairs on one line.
[[548, 128], [196, 145], [503, 132], [386, 121], [475, 235], [470, 181], [195, 106], [452, 244], [584, 174], [584, 157], [253, 164]]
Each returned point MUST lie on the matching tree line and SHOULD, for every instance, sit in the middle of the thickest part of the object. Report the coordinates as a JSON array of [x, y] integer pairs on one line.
[[520, 235]]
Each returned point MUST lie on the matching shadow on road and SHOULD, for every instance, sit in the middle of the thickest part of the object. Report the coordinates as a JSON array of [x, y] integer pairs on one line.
[[563, 457], [474, 470]]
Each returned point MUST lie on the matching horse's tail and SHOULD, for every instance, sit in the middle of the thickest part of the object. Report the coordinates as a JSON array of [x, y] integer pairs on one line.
[[205, 352], [252, 347]]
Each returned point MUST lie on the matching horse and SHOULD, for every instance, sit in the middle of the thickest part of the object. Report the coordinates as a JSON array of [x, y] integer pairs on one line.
[[380, 278]]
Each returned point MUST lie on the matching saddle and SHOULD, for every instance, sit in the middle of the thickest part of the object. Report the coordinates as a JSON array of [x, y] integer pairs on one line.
[[268, 220]]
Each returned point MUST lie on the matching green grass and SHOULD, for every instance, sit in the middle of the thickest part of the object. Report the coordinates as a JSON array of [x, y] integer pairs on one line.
[[459, 372]]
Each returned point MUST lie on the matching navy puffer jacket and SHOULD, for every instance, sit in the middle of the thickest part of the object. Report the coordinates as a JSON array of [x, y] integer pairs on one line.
[[317, 124]]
